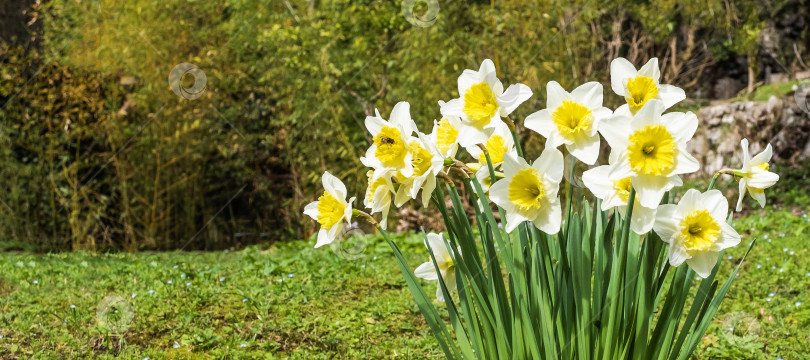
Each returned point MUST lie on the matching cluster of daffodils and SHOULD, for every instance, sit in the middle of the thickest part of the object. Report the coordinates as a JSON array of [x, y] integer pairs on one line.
[[647, 156]]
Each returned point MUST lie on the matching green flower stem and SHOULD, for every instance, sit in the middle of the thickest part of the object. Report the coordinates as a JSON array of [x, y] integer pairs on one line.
[[513, 130], [717, 174], [363, 214]]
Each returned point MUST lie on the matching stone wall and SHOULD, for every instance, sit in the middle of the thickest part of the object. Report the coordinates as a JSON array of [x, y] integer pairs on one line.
[[780, 122]]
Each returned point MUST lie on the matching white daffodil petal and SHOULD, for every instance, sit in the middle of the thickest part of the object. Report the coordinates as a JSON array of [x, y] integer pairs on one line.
[[759, 197], [650, 114], [690, 201], [550, 162], [716, 204], [666, 222], [427, 189], [762, 180], [555, 94], [513, 219], [333, 185], [426, 271], [620, 70], [670, 95], [703, 263], [615, 130], [745, 158], [467, 79], [763, 157], [312, 210], [374, 124], [685, 163], [401, 117], [588, 94], [621, 168], [596, 180], [469, 136], [651, 70], [650, 189], [742, 194], [681, 126], [514, 95], [642, 220], [453, 107], [728, 237], [586, 151], [499, 192], [550, 221], [677, 254], [540, 122]]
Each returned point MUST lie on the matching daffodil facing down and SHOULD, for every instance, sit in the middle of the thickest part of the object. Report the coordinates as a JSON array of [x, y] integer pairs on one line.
[[529, 192], [444, 260], [427, 162], [696, 230], [642, 85], [616, 194], [497, 145], [445, 135], [755, 175], [650, 148], [572, 119], [390, 151], [378, 196], [331, 210], [482, 103]]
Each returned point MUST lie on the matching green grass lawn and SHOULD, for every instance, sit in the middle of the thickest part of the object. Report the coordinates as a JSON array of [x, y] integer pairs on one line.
[[293, 301]]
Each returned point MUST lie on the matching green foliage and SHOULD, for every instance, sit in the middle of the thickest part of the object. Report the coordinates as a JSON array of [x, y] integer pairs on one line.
[[334, 308], [289, 84]]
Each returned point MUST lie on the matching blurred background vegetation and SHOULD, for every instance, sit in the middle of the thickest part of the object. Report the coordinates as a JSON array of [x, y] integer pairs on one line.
[[96, 151]]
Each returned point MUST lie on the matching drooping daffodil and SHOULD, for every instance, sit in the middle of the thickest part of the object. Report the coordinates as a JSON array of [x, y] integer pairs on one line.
[[755, 175], [529, 192], [378, 196], [331, 209], [445, 135], [642, 85], [572, 119], [650, 148], [427, 162], [447, 269], [482, 103], [696, 230]]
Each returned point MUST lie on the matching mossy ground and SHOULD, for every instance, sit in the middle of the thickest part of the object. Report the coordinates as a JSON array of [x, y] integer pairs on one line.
[[293, 301]]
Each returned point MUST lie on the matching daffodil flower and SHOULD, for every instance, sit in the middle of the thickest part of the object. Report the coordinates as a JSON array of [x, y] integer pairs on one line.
[[755, 176], [572, 119], [616, 194], [331, 210], [427, 162], [642, 85], [482, 103], [696, 230], [378, 196], [529, 192], [445, 135], [390, 152], [650, 148], [447, 268], [498, 144]]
